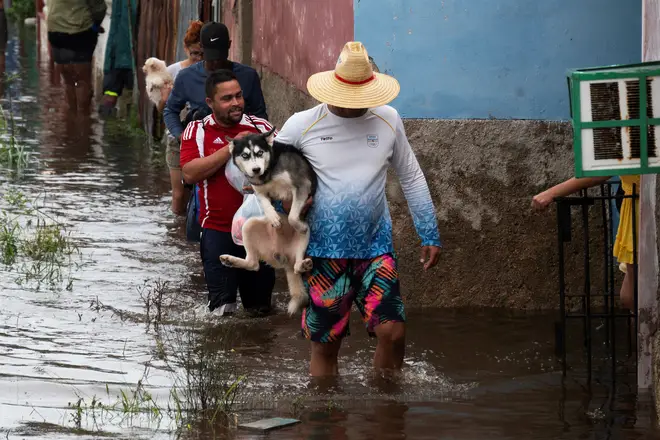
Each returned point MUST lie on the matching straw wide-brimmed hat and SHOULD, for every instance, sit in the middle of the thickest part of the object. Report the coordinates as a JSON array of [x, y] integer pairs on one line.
[[353, 83]]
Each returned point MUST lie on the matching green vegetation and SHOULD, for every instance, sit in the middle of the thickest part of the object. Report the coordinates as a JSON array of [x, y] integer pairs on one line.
[[128, 127], [127, 405], [205, 391], [206, 385], [12, 152], [33, 245], [205, 388], [21, 9]]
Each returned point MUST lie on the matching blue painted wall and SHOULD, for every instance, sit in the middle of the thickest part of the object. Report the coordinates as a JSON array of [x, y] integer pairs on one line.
[[494, 58]]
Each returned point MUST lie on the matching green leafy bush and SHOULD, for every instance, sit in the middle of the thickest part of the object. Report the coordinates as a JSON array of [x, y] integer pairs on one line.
[[22, 9]]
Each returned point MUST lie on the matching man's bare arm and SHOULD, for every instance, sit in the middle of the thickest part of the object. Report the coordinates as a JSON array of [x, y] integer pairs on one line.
[[205, 167]]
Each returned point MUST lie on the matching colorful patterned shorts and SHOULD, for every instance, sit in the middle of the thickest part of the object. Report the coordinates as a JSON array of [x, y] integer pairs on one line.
[[335, 284]]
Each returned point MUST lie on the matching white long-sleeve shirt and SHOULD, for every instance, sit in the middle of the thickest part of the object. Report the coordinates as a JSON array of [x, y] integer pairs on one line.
[[350, 215]]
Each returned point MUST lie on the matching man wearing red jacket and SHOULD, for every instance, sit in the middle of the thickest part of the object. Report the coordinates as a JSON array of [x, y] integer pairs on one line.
[[204, 154]]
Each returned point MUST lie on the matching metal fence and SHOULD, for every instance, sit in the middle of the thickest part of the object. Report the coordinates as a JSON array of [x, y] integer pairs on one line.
[[188, 11], [608, 331]]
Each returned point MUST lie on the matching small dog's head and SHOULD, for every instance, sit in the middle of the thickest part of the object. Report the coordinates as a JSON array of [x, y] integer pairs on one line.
[[252, 153], [153, 65]]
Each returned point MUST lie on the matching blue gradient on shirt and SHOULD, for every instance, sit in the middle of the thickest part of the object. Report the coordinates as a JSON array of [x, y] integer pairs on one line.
[[355, 223]]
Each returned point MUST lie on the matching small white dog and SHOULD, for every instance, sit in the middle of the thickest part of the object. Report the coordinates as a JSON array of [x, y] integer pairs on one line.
[[156, 78]]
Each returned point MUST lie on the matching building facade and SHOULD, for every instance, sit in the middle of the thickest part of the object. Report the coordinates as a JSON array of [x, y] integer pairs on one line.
[[485, 105], [484, 102]]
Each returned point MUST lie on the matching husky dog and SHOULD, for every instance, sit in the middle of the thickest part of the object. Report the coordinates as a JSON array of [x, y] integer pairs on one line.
[[156, 77], [281, 172]]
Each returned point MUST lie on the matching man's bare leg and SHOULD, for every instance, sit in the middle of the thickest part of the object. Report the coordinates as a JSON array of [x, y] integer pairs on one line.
[[391, 346], [84, 91], [324, 359]]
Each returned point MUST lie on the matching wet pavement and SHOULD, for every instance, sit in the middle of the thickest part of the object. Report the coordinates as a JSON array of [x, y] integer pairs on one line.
[[468, 374]]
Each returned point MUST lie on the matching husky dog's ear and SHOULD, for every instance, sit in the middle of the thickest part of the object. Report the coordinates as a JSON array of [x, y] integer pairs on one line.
[[230, 141], [269, 136]]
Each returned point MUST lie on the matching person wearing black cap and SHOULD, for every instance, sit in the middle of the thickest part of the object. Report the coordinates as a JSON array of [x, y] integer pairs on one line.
[[189, 84]]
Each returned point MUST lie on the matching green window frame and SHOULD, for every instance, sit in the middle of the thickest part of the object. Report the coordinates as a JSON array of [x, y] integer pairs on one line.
[[640, 72]]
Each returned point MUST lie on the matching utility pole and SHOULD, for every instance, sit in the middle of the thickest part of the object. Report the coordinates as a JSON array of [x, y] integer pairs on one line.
[[647, 311]]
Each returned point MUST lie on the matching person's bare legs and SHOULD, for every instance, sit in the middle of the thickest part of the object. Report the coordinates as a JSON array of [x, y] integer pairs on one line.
[[628, 288], [68, 76], [179, 192], [83, 76], [324, 359], [391, 346], [390, 350]]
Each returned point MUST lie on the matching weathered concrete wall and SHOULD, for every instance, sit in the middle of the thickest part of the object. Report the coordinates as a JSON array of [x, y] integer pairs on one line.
[[282, 97], [296, 38], [656, 371], [655, 349], [482, 176], [497, 252]]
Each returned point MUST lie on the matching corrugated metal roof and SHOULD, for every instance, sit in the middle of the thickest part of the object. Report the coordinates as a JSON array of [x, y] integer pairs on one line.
[[188, 11]]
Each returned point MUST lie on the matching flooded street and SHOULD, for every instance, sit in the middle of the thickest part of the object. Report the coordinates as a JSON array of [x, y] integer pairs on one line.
[[468, 374]]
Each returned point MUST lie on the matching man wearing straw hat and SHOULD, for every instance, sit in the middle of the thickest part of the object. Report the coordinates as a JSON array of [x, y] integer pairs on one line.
[[351, 139]]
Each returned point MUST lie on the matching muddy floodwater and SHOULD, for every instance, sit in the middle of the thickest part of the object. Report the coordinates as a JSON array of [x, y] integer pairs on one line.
[[114, 326]]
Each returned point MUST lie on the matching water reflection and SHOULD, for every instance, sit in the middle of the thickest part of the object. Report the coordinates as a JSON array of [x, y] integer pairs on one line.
[[3, 54]]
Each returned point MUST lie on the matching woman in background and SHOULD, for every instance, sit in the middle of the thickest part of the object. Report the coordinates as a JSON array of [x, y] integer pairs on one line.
[[73, 28], [192, 47]]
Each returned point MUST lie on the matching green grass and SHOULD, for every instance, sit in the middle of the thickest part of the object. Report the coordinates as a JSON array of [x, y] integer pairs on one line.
[[205, 388], [33, 245], [13, 154], [21, 9], [126, 127]]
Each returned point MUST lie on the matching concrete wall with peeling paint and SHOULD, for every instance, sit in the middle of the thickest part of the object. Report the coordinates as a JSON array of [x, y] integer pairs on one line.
[[296, 38], [493, 59]]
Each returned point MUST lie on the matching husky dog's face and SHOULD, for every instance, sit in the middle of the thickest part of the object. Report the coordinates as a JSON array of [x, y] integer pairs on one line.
[[252, 153]]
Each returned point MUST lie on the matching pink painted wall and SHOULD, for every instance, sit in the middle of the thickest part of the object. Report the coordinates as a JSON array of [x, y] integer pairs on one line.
[[295, 38], [228, 7]]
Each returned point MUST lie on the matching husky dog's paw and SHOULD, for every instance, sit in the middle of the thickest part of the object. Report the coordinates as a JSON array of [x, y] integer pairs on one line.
[[274, 220], [303, 266], [227, 260], [296, 304]]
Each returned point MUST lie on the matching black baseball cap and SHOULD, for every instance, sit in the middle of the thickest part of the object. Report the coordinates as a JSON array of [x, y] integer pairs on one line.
[[214, 37]]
